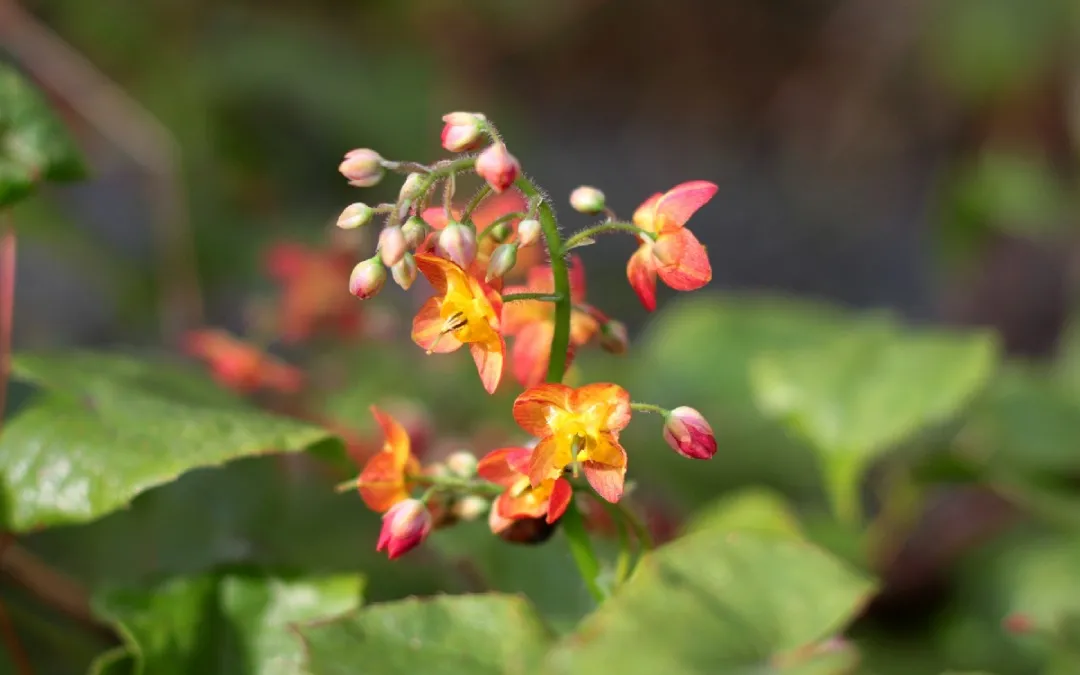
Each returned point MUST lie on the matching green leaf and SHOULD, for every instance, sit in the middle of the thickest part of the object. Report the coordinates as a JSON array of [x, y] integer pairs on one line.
[[34, 145], [476, 634], [113, 428], [229, 625], [863, 392], [752, 509], [715, 604]]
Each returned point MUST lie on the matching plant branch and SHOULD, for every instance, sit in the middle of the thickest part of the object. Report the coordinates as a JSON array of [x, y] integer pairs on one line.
[[604, 228], [545, 297], [649, 408]]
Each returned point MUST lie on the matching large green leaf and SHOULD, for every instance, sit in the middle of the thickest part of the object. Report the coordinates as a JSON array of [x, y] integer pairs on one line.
[[34, 145], [752, 509], [447, 635], [859, 394], [234, 625], [716, 603], [112, 427]]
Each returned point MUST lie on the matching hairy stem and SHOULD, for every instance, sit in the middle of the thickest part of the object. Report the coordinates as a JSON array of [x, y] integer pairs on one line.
[[649, 408], [604, 228], [546, 297]]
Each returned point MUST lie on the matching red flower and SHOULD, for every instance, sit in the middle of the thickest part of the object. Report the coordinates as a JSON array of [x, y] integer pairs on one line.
[[240, 366], [384, 481], [405, 526], [675, 255], [314, 296], [509, 467]]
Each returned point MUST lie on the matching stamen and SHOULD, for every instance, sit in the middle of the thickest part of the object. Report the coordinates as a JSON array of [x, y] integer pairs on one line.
[[575, 448], [452, 323]]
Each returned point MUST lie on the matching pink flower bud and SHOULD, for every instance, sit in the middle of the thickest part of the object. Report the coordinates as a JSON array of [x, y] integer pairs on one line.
[[404, 527], [404, 272], [410, 189], [362, 167], [354, 216], [587, 199], [502, 261], [463, 131], [392, 245], [614, 338], [415, 231], [457, 243], [498, 167], [687, 431], [528, 232], [367, 278]]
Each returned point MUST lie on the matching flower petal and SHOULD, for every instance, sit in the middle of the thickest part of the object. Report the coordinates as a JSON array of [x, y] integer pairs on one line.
[[532, 406], [519, 314], [531, 351], [577, 279], [682, 201], [438, 271], [561, 494], [645, 215], [397, 439], [532, 503], [435, 216], [548, 460], [612, 400], [428, 324], [689, 268], [496, 468], [582, 328], [381, 483], [519, 461], [605, 479], [498, 205], [642, 276], [605, 449], [488, 357]]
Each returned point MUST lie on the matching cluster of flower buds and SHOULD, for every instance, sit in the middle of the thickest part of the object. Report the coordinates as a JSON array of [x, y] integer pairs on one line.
[[490, 284]]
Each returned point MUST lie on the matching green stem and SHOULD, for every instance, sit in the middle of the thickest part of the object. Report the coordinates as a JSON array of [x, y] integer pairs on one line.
[[546, 297], [474, 203], [490, 229], [641, 531], [581, 550], [649, 407], [603, 228], [560, 341]]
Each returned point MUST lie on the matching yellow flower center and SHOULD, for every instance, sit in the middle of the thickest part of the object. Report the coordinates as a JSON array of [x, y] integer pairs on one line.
[[577, 432], [467, 316]]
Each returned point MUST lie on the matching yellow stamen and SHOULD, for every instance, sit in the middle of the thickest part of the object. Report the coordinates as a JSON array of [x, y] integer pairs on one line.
[[453, 322]]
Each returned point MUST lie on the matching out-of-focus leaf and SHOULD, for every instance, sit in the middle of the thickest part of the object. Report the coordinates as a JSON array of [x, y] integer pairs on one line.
[[34, 145], [753, 509], [859, 394], [113, 427], [476, 634], [230, 625], [697, 352], [1068, 363], [715, 603]]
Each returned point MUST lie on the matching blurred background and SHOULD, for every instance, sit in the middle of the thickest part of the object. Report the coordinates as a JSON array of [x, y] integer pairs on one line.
[[902, 156]]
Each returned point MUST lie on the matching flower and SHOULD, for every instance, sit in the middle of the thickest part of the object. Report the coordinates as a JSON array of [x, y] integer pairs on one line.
[[498, 167], [363, 167], [240, 366], [576, 427], [312, 297], [383, 481], [689, 434], [404, 527], [676, 254], [508, 467], [464, 310], [532, 322], [463, 131]]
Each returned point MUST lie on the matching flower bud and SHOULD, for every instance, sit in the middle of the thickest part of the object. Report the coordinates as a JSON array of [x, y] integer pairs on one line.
[[367, 278], [404, 272], [498, 167], [471, 507], [463, 131], [614, 338], [500, 232], [410, 189], [354, 216], [528, 232], [415, 231], [458, 243], [587, 199], [362, 167], [502, 261], [462, 464], [405, 525], [392, 245], [689, 434]]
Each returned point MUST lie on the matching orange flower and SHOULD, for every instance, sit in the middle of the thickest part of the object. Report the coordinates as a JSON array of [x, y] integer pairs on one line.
[[464, 310], [676, 254], [532, 322], [313, 297], [488, 212], [240, 366], [577, 427], [508, 467], [384, 479]]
